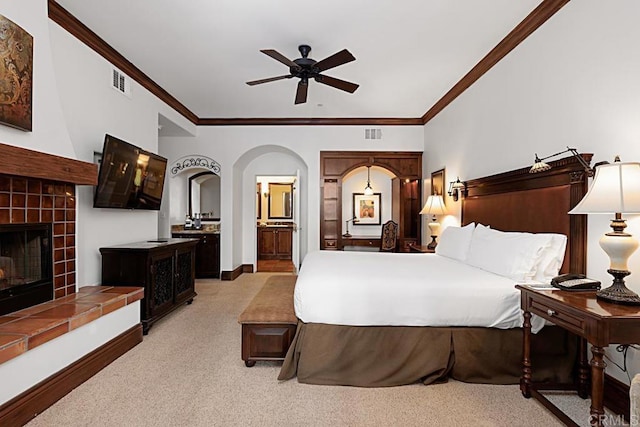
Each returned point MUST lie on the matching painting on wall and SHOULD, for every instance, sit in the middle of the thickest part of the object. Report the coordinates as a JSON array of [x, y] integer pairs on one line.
[[437, 182], [16, 75], [366, 209]]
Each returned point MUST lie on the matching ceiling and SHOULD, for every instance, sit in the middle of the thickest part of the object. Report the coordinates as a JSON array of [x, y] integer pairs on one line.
[[409, 53]]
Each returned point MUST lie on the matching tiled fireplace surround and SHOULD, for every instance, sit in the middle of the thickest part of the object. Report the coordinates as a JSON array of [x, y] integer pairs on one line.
[[28, 200]]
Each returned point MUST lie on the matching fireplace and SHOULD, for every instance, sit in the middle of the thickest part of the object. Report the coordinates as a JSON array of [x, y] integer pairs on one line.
[[26, 272]]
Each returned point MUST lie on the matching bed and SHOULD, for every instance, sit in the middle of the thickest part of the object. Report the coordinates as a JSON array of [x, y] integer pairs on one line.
[[334, 347]]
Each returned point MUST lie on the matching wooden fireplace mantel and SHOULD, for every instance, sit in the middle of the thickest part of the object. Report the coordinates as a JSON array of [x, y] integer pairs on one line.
[[35, 164]]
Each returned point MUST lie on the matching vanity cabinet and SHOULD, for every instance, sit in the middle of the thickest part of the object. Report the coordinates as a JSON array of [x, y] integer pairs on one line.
[[275, 242], [164, 267], [207, 253]]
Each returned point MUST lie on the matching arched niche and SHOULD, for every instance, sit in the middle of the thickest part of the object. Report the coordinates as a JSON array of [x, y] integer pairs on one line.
[[199, 176], [204, 195], [406, 191]]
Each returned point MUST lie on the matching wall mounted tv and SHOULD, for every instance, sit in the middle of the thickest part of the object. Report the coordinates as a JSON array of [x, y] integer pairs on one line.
[[129, 177]]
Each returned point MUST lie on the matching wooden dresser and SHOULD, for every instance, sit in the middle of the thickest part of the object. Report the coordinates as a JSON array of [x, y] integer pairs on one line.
[[164, 267]]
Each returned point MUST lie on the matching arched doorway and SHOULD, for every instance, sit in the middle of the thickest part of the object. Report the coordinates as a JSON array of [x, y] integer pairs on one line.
[[266, 160]]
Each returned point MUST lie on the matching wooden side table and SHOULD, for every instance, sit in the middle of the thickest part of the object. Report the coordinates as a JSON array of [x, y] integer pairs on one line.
[[599, 323], [421, 249]]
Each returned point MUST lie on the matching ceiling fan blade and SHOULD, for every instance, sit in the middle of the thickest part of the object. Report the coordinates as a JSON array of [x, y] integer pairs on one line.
[[337, 83], [280, 57], [301, 93], [334, 60], [270, 79]]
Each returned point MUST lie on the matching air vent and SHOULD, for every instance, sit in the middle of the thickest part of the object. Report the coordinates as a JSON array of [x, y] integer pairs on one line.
[[373, 134], [120, 82]]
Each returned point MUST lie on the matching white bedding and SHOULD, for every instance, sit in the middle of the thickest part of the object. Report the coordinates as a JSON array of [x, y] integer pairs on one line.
[[393, 289]]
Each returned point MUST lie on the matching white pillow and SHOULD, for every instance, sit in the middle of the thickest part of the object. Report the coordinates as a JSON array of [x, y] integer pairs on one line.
[[551, 259], [454, 242], [509, 254]]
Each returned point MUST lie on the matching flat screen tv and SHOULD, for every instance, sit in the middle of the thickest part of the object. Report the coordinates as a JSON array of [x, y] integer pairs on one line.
[[129, 177]]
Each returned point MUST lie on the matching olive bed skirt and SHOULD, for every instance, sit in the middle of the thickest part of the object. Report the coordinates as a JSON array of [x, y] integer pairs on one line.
[[382, 356]]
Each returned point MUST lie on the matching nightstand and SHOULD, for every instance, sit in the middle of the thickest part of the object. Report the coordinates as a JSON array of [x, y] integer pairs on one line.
[[599, 323], [421, 249]]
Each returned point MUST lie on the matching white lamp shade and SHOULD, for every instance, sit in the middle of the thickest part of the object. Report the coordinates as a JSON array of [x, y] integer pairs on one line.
[[434, 206], [615, 189]]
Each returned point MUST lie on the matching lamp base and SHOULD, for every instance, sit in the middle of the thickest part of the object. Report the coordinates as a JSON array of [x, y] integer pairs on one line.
[[618, 293], [346, 234], [433, 243]]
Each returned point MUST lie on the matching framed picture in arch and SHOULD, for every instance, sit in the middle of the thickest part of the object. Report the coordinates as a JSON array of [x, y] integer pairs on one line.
[[366, 209]]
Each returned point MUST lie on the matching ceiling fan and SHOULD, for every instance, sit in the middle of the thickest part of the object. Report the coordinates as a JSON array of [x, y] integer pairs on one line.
[[306, 68]]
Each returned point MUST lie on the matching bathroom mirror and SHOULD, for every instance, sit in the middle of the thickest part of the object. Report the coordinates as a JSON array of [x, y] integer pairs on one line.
[[204, 196], [280, 203]]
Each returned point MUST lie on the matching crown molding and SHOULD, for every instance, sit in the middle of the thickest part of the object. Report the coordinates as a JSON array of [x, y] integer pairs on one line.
[[318, 121], [524, 29], [66, 20], [545, 10]]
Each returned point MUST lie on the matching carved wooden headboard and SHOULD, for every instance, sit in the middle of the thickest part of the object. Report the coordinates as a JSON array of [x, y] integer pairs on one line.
[[520, 201]]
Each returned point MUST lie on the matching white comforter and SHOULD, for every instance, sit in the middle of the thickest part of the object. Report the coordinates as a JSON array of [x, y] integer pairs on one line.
[[377, 289]]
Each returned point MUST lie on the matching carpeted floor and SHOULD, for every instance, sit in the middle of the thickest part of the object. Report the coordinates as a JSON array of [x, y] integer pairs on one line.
[[188, 372]]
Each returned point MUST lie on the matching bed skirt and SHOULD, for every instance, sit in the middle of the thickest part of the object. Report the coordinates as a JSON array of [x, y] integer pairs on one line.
[[382, 356]]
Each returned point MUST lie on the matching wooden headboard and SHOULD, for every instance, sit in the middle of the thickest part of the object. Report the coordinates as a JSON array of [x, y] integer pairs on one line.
[[520, 201]]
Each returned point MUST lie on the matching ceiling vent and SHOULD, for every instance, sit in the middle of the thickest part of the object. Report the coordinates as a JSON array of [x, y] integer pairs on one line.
[[120, 82], [373, 134]]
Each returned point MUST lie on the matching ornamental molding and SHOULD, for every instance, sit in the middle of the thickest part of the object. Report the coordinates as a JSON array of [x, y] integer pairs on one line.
[[193, 161]]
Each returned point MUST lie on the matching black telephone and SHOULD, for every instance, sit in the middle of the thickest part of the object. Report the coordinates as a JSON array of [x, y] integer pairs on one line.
[[575, 282]]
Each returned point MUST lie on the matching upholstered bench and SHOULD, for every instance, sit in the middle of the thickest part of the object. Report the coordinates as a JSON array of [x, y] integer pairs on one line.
[[269, 321]]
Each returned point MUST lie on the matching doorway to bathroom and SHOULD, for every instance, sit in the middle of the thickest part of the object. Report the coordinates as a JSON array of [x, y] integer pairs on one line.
[[277, 234]]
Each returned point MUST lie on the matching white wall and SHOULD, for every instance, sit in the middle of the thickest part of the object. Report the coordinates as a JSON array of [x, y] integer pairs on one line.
[[91, 108], [229, 146], [573, 82], [49, 134]]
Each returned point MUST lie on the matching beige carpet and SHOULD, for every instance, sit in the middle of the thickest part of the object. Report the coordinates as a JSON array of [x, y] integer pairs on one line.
[[188, 372]]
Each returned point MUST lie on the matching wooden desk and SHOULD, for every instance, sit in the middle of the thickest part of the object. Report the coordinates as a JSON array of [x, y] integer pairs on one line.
[[600, 323], [421, 249], [361, 241]]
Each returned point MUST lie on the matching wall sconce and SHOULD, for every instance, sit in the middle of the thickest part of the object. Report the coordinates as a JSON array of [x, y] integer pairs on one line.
[[457, 189], [540, 166]]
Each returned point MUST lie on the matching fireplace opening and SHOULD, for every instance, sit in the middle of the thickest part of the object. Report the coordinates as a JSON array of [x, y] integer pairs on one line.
[[26, 266]]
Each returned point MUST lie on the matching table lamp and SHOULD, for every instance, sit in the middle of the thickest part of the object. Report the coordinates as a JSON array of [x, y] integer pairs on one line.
[[434, 206], [615, 189]]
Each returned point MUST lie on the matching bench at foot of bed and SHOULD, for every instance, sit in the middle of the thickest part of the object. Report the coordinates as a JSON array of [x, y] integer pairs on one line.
[[269, 321]]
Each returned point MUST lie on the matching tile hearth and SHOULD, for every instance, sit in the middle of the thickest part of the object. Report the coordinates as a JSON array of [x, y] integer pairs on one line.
[[26, 329]]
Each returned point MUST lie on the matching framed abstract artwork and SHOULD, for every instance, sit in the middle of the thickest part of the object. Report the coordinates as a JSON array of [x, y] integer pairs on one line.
[[16, 75], [366, 209]]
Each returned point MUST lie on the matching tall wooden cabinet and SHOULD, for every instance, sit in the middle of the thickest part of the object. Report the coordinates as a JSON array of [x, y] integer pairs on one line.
[[165, 268], [405, 206], [275, 242]]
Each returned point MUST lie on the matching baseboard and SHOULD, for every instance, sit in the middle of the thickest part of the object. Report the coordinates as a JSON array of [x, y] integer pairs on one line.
[[24, 407], [231, 275], [616, 396], [247, 268]]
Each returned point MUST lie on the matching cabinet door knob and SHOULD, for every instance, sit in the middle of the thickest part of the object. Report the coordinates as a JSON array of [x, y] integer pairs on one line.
[[551, 312]]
